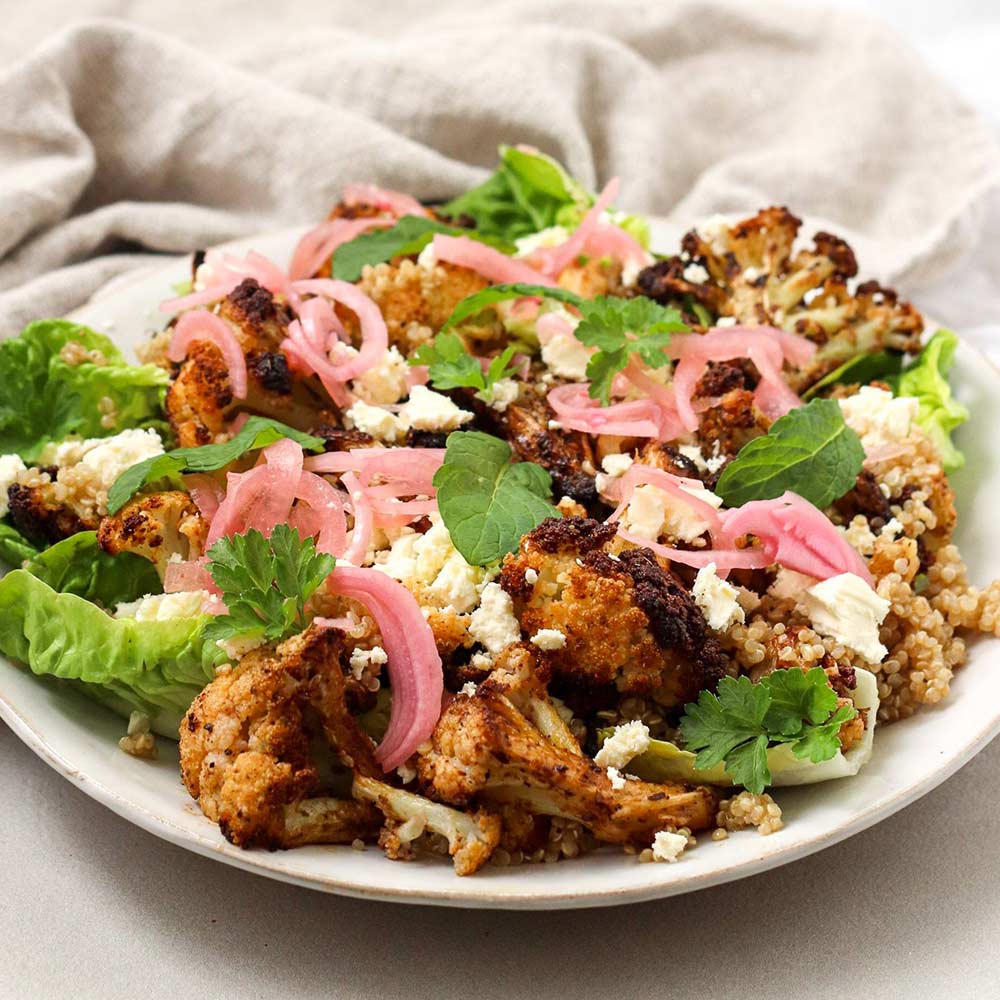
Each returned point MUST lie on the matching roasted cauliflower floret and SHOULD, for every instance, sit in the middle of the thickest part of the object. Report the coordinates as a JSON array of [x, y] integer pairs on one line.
[[630, 625], [200, 400], [415, 301], [754, 278], [472, 837], [486, 749], [39, 516], [248, 747], [161, 527]]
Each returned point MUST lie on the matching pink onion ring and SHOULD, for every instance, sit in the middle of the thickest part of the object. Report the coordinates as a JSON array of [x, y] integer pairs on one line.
[[203, 325]]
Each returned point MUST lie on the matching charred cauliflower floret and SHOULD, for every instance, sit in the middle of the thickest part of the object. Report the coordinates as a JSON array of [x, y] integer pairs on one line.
[[37, 514], [630, 625], [414, 300], [472, 837], [161, 527], [486, 748], [200, 400], [249, 747], [754, 278]]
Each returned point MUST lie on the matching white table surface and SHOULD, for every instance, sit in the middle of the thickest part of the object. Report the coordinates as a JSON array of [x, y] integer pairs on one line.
[[91, 906]]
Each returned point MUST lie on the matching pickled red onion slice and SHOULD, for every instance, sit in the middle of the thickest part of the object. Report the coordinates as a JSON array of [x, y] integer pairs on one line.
[[328, 520], [206, 493], [318, 245], [725, 559], [191, 575], [491, 264], [394, 202], [415, 671], [200, 324]]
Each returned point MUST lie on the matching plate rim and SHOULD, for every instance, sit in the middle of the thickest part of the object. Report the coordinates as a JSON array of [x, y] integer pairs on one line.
[[211, 845]]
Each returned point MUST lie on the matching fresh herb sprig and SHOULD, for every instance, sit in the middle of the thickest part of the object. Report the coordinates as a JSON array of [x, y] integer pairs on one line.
[[487, 501], [451, 366], [810, 451], [621, 329], [474, 304], [736, 725], [265, 583]]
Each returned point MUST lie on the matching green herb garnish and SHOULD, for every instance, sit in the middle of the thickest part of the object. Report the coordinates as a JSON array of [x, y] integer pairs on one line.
[[861, 369], [265, 583], [474, 304], [257, 432], [451, 366], [488, 503], [408, 236], [810, 451], [736, 725], [621, 329]]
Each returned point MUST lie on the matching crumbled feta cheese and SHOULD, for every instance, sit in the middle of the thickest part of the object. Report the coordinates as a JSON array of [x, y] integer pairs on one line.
[[616, 465], [751, 274], [717, 599], [789, 585], [493, 624], [503, 392], [236, 648], [653, 512], [468, 689], [386, 382], [11, 467], [531, 576], [878, 417], [695, 273], [163, 607], [549, 638], [859, 536], [627, 741], [376, 421], [846, 609], [427, 410], [566, 357], [715, 232], [481, 661], [113, 455], [427, 258], [616, 778], [724, 321], [456, 584], [668, 846], [631, 269], [712, 463], [553, 236], [361, 659]]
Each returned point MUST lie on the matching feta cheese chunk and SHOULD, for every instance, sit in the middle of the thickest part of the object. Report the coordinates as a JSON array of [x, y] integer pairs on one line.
[[717, 599], [616, 465], [163, 607], [878, 417], [616, 778], [695, 273], [493, 624], [11, 467], [113, 455], [361, 659], [653, 512], [565, 357], [627, 741], [386, 382], [846, 609], [553, 236], [427, 410], [502, 393], [380, 423], [668, 846], [549, 638]]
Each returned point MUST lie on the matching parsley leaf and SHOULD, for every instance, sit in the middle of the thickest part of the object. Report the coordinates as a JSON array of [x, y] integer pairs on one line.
[[257, 432], [265, 583], [474, 304], [620, 328], [450, 365], [736, 725], [810, 451], [408, 236], [487, 502]]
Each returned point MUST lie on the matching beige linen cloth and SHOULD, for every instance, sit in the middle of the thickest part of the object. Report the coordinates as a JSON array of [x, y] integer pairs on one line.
[[118, 142]]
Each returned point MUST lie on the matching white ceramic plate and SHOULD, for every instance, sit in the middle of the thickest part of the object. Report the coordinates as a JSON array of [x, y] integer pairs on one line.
[[79, 739]]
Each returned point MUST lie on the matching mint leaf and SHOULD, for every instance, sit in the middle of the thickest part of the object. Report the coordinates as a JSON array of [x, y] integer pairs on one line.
[[939, 412], [487, 502], [265, 583], [256, 433], [620, 328], [736, 725], [52, 386], [810, 451], [861, 369], [408, 236], [474, 304]]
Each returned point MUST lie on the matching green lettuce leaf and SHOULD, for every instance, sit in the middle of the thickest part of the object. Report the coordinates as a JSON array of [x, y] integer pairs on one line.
[[78, 565], [155, 667], [44, 398], [14, 547], [927, 379]]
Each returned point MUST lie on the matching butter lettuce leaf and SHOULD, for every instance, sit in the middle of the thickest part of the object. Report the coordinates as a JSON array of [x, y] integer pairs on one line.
[[927, 379], [14, 547], [57, 379], [156, 667]]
